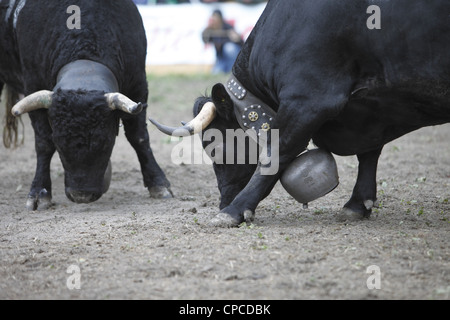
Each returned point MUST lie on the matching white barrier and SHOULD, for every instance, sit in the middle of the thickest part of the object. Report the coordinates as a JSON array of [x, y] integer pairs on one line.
[[174, 31]]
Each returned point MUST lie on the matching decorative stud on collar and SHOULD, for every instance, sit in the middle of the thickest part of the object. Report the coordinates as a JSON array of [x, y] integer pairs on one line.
[[236, 89], [251, 112]]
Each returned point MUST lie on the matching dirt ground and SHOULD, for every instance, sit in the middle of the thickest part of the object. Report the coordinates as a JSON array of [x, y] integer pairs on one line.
[[128, 246]]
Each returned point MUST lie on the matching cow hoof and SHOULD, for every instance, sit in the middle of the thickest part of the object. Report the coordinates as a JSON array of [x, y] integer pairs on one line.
[[224, 220], [249, 216], [45, 204], [41, 202], [347, 214], [160, 193], [32, 204]]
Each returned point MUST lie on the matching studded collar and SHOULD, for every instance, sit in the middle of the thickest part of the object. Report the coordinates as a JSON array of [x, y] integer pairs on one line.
[[250, 111]]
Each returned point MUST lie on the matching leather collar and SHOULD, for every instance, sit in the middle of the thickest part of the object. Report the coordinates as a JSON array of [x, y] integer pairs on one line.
[[250, 111]]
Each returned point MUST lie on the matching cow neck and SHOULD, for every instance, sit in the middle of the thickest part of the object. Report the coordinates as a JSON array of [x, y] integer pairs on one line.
[[251, 112], [86, 75]]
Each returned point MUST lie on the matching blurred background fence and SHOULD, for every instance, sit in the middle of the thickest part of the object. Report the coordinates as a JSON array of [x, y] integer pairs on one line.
[[174, 31]]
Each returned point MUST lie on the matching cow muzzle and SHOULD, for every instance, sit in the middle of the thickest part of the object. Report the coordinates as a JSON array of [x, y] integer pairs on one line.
[[78, 196], [88, 195]]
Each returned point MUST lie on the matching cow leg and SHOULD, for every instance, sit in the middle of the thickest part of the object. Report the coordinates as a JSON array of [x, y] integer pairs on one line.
[[365, 191], [298, 126], [40, 195], [154, 178]]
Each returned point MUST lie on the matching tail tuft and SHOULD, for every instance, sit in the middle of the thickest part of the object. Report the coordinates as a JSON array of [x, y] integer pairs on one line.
[[11, 128]]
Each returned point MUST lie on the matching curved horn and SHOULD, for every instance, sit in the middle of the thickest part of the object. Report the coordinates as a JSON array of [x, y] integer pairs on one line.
[[118, 101], [38, 100], [196, 125]]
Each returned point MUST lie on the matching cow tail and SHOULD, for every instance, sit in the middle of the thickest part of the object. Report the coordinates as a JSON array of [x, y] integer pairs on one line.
[[11, 128]]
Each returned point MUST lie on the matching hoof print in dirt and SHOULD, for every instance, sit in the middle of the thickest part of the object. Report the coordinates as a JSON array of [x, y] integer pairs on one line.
[[160, 193]]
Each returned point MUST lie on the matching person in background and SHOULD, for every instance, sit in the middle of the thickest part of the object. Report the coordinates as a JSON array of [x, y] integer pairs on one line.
[[226, 40]]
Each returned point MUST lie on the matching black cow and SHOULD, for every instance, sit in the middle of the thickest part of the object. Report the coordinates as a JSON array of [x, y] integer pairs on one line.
[[81, 70], [332, 75]]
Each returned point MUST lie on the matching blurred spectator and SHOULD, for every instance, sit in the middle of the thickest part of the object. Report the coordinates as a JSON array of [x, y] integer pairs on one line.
[[226, 40]]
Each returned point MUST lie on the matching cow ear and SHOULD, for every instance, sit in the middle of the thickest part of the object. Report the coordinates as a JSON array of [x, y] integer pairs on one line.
[[222, 101]]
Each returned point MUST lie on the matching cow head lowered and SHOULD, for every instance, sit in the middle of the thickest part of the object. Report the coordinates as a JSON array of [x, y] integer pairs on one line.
[[217, 113], [241, 138], [84, 125]]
